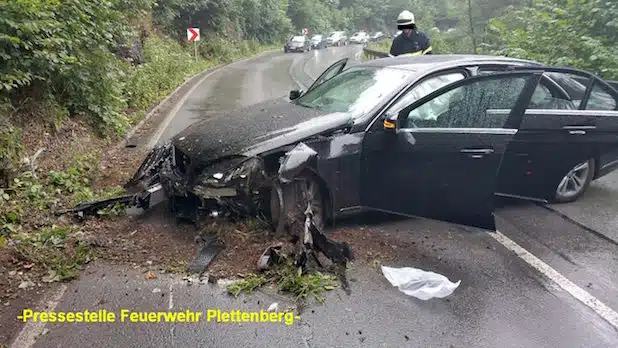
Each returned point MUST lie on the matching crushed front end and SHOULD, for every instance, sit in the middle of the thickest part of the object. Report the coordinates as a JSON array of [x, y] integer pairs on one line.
[[234, 186]]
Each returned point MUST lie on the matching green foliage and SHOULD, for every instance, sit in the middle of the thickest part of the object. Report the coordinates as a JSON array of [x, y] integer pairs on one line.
[[289, 279], [167, 65], [11, 152], [582, 34], [66, 45], [48, 248]]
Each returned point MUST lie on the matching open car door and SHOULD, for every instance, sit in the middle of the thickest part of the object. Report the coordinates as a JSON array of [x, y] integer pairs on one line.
[[329, 73], [439, 156]]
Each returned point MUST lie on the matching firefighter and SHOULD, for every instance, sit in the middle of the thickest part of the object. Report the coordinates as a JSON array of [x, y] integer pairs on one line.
[[410, 42]]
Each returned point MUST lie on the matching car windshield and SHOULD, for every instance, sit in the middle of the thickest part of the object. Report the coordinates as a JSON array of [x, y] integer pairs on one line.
[[356, 90], [317, 37], [298, 39]]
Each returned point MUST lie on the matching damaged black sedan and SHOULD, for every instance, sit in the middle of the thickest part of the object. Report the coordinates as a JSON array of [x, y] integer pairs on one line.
[[434, 136]]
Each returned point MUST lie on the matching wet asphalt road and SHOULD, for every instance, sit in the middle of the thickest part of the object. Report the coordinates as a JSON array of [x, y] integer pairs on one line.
[[501, 302]]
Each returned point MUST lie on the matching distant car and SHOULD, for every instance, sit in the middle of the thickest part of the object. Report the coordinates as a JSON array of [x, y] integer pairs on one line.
[[298, 43], [337, 38], [318, 41], [377, 36], [360, 37]]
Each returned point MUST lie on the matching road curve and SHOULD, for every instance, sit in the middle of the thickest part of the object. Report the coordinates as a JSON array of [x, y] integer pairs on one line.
[[255, 80]]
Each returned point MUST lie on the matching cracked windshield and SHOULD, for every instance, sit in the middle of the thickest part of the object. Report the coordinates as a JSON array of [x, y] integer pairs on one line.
[[311, 173]]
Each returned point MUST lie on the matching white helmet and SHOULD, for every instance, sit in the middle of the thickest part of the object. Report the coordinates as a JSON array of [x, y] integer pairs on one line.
[[405, 18]]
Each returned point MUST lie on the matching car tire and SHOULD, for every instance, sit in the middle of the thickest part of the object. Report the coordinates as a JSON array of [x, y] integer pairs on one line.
[[575, 182], [318, 202]]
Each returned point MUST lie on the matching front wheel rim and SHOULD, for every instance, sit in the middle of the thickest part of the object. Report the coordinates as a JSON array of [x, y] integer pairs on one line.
[[574, 181]]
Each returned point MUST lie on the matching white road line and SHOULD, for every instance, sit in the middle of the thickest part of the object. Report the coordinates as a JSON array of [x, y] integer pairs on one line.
[[29, 333], [580, 294], [171, 302]]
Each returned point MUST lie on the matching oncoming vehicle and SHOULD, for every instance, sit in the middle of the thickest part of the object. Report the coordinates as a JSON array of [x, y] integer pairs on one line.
[[359, 38], [337, 38], [318, 41], [377, 36], [430, 136], [298, 43]]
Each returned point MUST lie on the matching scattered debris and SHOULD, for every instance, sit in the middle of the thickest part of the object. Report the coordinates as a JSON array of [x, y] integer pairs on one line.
[[274, 307], [156, 290], [421, 284], [150, 275], [271, 256], [26, 284], [206, 254]]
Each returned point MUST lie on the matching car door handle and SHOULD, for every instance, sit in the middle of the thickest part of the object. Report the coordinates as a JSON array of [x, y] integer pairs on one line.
[[578, 130], [476, 153]]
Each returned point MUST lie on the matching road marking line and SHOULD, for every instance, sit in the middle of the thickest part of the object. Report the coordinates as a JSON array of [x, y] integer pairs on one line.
[[171, 302], [580, 294], [32, 330]]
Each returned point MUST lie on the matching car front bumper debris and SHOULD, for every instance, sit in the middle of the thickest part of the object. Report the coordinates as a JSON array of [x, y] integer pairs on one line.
[[235, 187]]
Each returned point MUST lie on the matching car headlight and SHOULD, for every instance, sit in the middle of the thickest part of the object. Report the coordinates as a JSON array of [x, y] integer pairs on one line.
[[226, 173]]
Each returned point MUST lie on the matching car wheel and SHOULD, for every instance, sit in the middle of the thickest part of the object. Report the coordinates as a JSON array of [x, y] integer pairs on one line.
[[308, 185], [575, 182]]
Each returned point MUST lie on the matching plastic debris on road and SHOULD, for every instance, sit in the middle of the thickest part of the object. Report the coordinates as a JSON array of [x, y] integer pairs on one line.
[[421, 284]]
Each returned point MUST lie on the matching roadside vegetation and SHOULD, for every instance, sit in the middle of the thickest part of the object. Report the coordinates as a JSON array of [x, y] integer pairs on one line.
[[76, 75], [581, 34]]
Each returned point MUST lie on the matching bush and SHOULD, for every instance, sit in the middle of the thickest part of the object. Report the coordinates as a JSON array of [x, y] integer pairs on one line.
[[166, 66]]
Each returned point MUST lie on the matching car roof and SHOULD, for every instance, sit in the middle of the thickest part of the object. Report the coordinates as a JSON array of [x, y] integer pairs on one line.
[[443, 61]]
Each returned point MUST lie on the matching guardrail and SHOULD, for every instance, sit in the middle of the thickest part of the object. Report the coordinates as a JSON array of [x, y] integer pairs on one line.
[[372, 54]]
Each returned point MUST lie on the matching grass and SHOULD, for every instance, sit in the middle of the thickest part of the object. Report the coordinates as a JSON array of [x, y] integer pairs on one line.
[[289, 279]]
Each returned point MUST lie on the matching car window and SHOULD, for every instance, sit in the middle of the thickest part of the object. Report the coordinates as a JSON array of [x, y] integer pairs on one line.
[[542, 98], [424, 88], [356, 90], [600, 99], [478, 104], [298, 39]]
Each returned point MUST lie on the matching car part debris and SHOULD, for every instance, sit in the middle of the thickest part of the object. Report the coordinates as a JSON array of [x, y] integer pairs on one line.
[[210, 249], [139, 200], [295, 161], [236, 187], [421, 284], [271, 256]]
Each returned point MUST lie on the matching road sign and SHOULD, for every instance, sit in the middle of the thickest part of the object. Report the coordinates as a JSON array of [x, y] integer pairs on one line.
[[193, 34]]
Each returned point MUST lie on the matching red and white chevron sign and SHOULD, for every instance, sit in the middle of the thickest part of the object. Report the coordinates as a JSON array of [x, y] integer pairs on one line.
[[193, 34]]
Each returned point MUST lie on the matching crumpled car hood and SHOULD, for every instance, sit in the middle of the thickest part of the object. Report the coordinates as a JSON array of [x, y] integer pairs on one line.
[[256, 129]]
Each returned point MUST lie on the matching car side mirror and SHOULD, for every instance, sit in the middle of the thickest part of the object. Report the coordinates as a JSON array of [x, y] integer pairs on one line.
[[390, 121], [295, 94]]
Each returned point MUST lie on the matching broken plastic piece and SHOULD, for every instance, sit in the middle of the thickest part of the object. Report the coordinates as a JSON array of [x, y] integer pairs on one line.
[[207, 253], [295, 161], [421, 284], [270, 256]]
